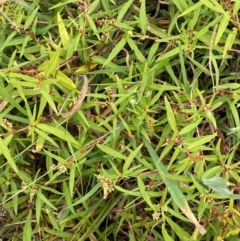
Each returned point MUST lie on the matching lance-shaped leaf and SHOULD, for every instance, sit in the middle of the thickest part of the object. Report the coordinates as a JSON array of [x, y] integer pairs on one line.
[[219, 185], [5, 151], [173, 188]]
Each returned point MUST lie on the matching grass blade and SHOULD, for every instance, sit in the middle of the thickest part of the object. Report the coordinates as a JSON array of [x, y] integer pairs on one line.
[[130, 158], [111, 152], [123, 10], [63, 32], [173, 188], [143, 17], [170, 115], [119, 46], [5, 151], [27, 230]]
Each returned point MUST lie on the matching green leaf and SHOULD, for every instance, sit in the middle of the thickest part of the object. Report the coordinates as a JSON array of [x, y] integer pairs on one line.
[[12, 59], [173, 188], [52, 64], [63, 235], [181, 233], [143, 192], [45, 136], [228, 86], [65, 81], [119, 46], [93, 26], [152, 52], [111, 152], [190, 127], [5, 151], [170, 116], [219, 185], [27, 230], [143, 17], [183, 71], [190, 9], [200, 66], [15, 198], [68, 197], [125, 7], [72, 181], [45, 88], [88, 195], [30, 18], [203, 33], [130, 158], [229, 42], [62, 32], [215, 182], [45, 200], [11, 100], [136, 50], [210, 115], [24, 44], [38, 204], [127, 192], [165, 234], [72, 46], [92, 7], [199, 141], [181, 5], [62, 134], [222, 28], [168, 54], [236, 7], [214, 5]]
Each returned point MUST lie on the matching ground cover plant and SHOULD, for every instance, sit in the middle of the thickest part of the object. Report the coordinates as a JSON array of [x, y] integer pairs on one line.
[[119, 120]]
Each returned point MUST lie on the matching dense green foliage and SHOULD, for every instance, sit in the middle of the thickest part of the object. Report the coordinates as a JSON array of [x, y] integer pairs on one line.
[[119, 120]]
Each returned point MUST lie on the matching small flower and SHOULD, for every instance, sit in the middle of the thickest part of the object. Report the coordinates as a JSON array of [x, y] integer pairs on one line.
[[62, 168], [207, 107], [133, 102], [107, 185], [32, 194], [148, 94], [23, 184], [130, 33], [6, 124], [3, 213], [109, 90], [234, 95], [164, 208], [156, 215], [100, 177]]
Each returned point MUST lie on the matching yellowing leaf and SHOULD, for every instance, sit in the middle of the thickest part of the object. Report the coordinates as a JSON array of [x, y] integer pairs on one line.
[[67, 82], [86, 68], [63, 32]]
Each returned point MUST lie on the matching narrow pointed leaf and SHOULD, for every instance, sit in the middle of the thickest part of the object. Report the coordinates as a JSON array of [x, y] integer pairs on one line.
[[111, 152], [170, 115], [5, 151], [27, 230], [120, 45], [173, 188], [63, 32]]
